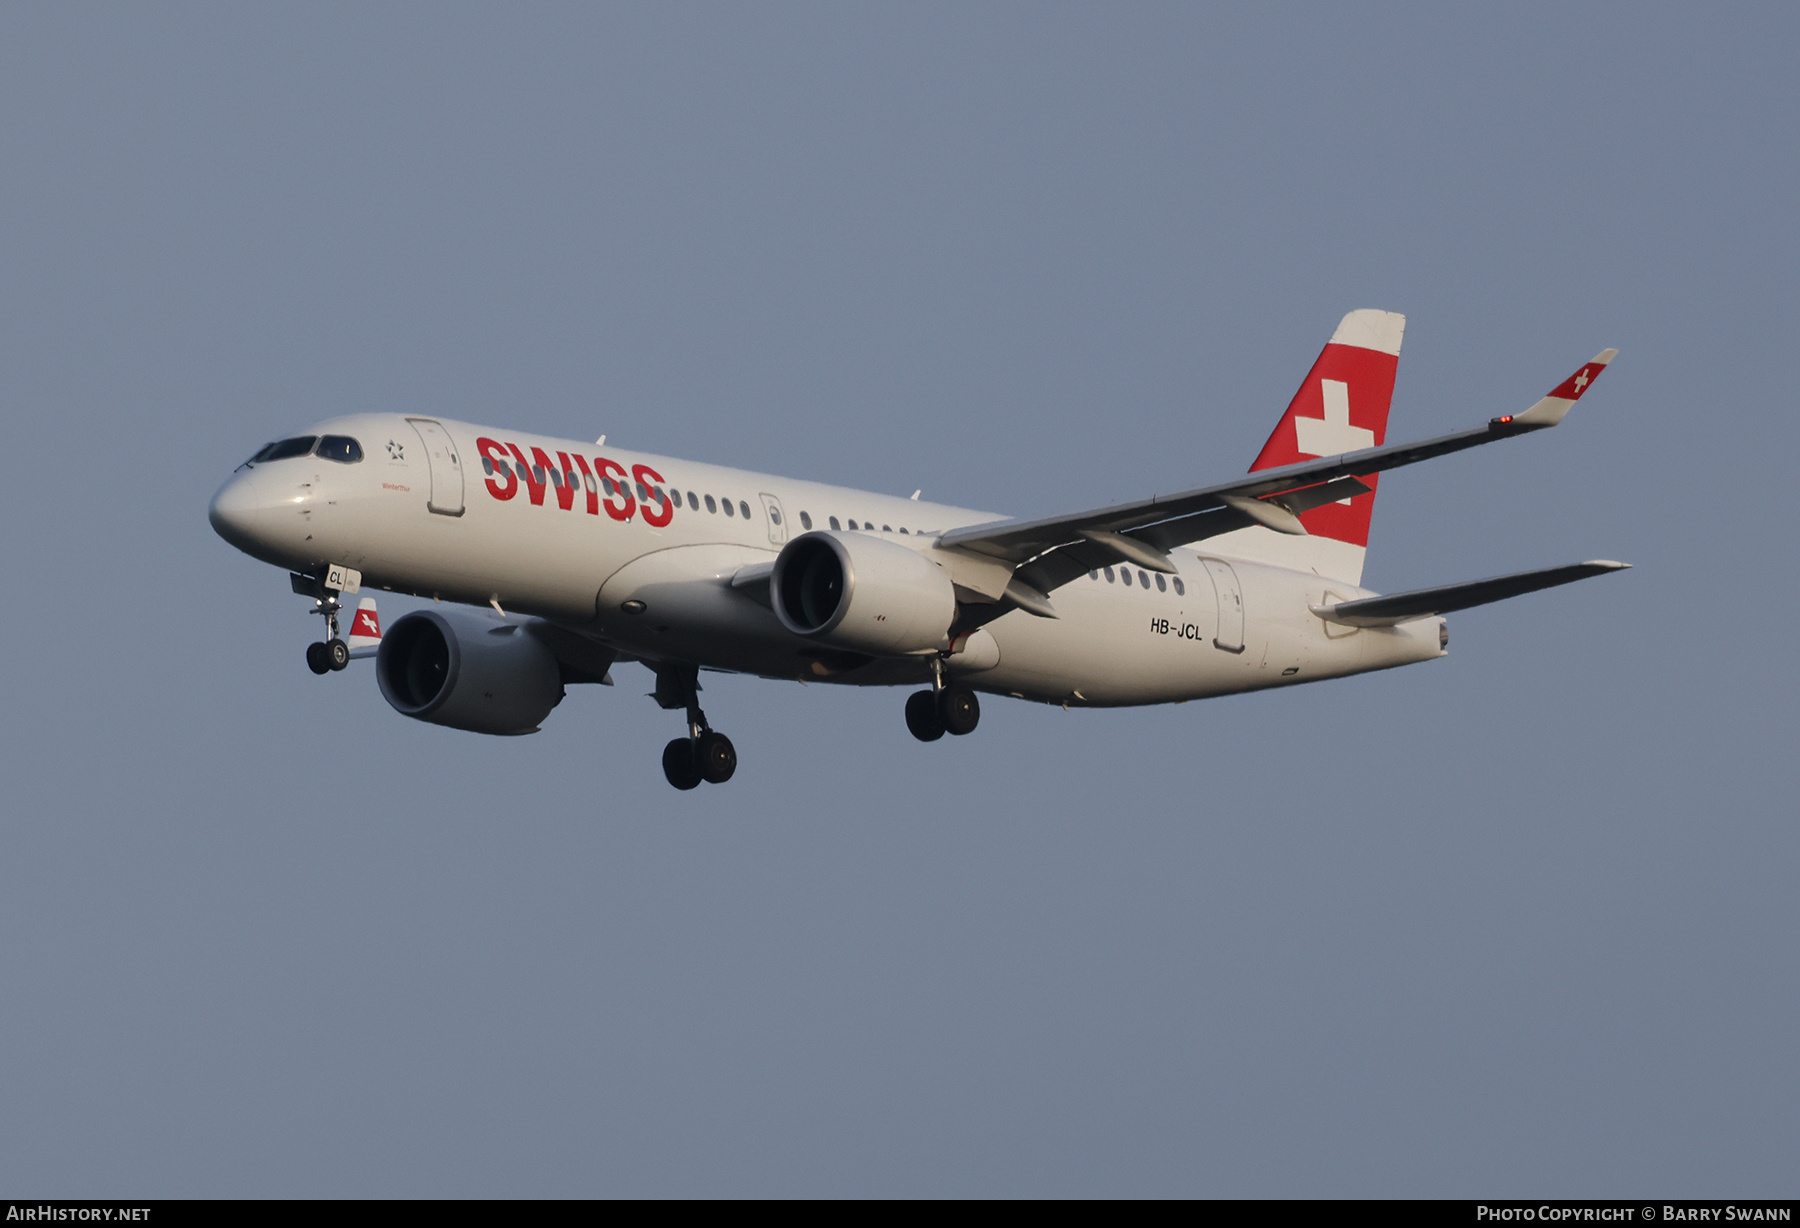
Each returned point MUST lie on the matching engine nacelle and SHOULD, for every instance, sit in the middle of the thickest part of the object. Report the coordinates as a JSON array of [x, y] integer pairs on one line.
[[468, 671], [862, 594]]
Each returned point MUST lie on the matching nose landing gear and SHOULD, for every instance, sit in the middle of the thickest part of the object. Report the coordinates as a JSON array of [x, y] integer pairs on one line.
[[705, 754], [333, 653]]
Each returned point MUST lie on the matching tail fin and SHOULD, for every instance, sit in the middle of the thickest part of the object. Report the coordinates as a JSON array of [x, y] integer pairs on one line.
[[365, 629], [1342, 406]]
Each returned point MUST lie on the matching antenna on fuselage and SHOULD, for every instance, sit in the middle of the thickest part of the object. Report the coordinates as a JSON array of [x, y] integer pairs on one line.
[[600, 442]]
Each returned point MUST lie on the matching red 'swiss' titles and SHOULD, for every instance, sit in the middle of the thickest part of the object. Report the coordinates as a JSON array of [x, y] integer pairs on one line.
[[605, 484]]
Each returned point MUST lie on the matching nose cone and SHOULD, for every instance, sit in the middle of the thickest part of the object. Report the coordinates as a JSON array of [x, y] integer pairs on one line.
[[234, 511], [252, 514]]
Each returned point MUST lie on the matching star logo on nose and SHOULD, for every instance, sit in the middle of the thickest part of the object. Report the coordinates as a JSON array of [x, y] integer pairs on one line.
[[395, 451]]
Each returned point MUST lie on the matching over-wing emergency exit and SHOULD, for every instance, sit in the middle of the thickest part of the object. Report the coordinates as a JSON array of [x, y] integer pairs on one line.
[[558, 559]]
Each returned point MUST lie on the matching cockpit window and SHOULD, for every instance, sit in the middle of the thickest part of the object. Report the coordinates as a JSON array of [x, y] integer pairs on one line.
[[300, 445], [340, 448]]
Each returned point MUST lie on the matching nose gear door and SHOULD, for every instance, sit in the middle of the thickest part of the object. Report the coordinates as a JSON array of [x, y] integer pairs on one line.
[[446, 470], [777, 522]]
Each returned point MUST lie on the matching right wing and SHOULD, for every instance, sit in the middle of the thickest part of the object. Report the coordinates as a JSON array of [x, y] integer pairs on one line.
[[1047, 553]]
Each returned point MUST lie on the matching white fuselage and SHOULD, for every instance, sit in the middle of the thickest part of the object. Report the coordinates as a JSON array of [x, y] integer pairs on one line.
[[588, 556]]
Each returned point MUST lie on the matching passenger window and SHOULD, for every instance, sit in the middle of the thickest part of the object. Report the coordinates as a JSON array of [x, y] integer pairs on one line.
[[1180, 588], [1143, 579], [693, 501], [744, 508], [505, 470], [487, 465], [711, 506], [1109, 575], [1093, 575], [340, 448], [835, 524], [727, 503], [587, 480], [806, 520], [556, 478], [537, 474], [1125, 576], [885, 529], [774, 516], [1161, 585], [903, 528]]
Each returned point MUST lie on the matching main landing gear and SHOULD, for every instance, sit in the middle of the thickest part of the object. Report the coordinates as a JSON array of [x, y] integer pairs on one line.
[[946, 708], [705, 754]]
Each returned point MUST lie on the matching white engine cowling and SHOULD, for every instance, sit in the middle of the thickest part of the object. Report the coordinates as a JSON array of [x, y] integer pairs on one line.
[[862, 594], [468, 671]]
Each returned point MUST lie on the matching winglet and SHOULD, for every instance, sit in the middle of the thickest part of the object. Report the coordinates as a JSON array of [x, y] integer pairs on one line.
[[1551, 410], [365, 630]]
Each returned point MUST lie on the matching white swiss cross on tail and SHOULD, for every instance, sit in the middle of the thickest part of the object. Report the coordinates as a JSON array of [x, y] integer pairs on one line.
[[1342, 406], [1332, 434]]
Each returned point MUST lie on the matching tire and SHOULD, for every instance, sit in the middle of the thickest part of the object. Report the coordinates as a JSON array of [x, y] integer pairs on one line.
[[922, 716], [679, 765], [337, 654], [316, 660], [959, 710], [716, 758]]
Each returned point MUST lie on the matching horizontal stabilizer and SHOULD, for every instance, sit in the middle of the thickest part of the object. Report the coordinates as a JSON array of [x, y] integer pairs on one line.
[[1425, 602]]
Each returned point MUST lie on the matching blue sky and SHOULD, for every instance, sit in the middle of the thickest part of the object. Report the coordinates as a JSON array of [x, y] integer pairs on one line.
[[1521, 921]]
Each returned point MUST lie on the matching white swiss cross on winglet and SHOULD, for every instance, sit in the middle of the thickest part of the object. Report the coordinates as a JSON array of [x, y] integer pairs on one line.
[[1550, 410], [365, 630]]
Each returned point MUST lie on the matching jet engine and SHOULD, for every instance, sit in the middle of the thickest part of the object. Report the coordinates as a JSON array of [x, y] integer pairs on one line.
[[862, 594], [468, 671]]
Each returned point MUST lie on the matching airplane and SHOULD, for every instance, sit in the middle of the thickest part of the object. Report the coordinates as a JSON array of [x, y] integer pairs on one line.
[[551, 560]]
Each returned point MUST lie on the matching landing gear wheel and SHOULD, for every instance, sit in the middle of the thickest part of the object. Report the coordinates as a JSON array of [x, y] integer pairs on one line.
[[680, 766], [922, 716], [716, 757], [958, 709], [316, 660], [337, 653]]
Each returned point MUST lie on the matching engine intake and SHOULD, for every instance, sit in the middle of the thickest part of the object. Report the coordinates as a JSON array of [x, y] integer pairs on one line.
[[862, 594], [466, 671]]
